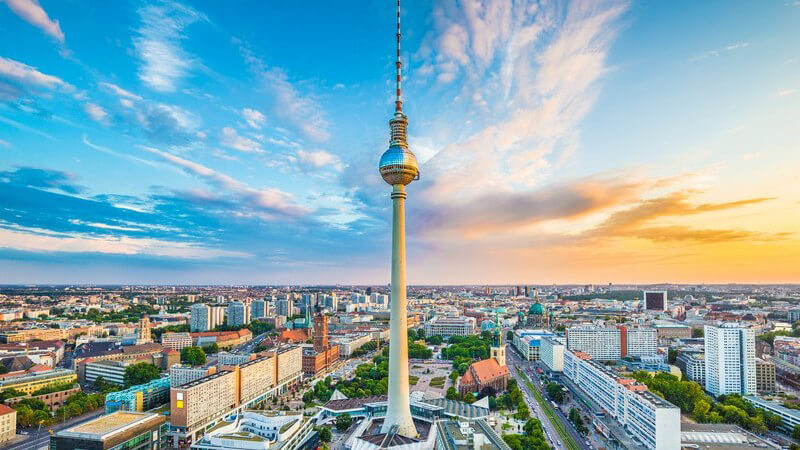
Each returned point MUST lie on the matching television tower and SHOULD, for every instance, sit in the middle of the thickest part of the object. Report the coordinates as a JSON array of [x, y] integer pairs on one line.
[[398, 167]]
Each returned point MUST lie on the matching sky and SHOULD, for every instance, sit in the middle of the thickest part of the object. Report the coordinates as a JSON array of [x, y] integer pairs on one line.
[[560, 142]]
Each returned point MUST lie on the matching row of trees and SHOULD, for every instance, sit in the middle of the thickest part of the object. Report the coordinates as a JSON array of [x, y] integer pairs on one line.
[[575, 417], [32, 412], [555, 391], [512, 399], [193, 355], [690, 398], [464, 350], [140, 373]]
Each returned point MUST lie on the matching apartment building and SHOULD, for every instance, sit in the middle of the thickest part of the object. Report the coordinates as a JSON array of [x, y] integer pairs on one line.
[[639, 341], [600, 343], [654, 422], [202, 402], [551, 350], [110, 371], [180, 375], [693, 365], [450, 326], [33, 381], [765, 376], [238, 314], [730, 351]]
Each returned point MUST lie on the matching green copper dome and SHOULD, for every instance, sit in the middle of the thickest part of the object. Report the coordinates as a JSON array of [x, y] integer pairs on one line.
[[536, 309]]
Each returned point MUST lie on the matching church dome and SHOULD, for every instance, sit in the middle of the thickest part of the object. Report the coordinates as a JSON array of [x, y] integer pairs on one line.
[[536, 309]]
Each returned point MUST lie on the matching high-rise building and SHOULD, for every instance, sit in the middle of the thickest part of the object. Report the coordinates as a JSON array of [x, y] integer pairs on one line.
[[238, 314], [551, 352], [730, 359], [600, 343], [285, 307], [258, 309], [639, 341], [200, 317], [655, 300], [693, 365]]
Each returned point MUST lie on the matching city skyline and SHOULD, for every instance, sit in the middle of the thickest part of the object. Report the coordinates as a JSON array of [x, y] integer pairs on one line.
[[578, 142]]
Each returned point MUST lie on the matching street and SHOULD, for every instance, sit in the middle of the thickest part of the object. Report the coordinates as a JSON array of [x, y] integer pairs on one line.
[[515, 363]]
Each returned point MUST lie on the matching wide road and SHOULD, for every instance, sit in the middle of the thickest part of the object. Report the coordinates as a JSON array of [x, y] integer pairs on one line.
[[562, 434]]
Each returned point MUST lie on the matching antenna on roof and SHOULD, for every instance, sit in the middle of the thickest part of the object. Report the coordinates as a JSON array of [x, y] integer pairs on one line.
[[398, 103]]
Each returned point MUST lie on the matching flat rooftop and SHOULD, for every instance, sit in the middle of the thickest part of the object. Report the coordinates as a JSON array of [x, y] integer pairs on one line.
[[110, 424]]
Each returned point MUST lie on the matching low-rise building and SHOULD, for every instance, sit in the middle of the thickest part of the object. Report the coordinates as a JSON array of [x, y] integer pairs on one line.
[[109, 371], [139, 398], [180, 374], [8, 423], [463, 435], [118, 430], [32, 381], [256, 431], [790, 418], [176, 341], [765, 376], [450, 326]]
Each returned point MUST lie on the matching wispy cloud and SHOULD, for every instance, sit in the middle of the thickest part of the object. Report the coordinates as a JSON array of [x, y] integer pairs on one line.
[[158, 44], [113, 88], [715, 53], [302, 111], [95, 112], [268, 200], [785, 92], [116, 153], [31, 76], [254, 118], [32, 12], [231, 139]]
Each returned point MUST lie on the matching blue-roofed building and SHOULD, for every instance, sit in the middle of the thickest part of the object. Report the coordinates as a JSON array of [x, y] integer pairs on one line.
[[139, 398], [527, 342]]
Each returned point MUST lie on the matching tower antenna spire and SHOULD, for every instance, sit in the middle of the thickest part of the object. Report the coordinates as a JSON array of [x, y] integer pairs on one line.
[[398, 103]]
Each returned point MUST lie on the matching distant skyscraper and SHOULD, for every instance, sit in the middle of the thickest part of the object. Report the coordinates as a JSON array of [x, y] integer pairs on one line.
[[200, 317], [258, 309], [238, 314], [730, 359], [285, 307], [655, 300], [398, 167]]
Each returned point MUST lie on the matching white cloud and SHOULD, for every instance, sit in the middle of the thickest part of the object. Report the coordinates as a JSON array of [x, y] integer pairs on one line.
[[268, 200], [785, 92], [5, 144], [535, 67], [38, 240], [119, 91], [158, 45], [254, 118], [319, 159], [29, 75], [715, 53], [32, 12], [230, 138], [96, 112]]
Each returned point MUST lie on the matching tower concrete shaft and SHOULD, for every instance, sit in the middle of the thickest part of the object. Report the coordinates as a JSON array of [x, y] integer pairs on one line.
[[398, 410]]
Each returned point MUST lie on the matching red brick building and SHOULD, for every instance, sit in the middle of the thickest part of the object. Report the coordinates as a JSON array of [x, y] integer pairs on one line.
[[322, 355]]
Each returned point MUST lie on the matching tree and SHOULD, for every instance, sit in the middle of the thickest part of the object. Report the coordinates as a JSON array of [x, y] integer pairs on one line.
[[194, 356], [211, 349], [672, 355], [697, 332], [140, 373], [421, 333], [452, 394], [343, 422], [324, 434], [469, 397], [509, 335], [523, 413], [555, 392], [454, 376], [796, 432]]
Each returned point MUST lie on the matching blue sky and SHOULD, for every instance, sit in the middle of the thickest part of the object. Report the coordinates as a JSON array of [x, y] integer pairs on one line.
[[198, 142]]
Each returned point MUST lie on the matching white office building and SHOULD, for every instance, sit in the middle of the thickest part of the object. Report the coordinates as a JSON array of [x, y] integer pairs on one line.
[[238, 314], [200, 317], [450, 326], [551, 352], [693, 366], [642, 341], [730, 359], [651, 420], [600, 343]]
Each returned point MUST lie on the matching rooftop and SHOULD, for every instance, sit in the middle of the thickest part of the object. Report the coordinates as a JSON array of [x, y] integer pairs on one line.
[[109, 424]]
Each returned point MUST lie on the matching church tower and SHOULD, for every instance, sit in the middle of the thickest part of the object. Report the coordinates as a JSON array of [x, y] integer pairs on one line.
[[144, 335], [498, 349]]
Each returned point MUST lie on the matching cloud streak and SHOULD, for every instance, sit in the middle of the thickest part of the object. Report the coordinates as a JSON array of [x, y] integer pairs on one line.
[[32, 12], [31, 76]]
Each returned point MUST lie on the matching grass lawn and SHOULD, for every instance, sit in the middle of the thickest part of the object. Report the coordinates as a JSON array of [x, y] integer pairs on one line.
[[437, 382], [412, 380]]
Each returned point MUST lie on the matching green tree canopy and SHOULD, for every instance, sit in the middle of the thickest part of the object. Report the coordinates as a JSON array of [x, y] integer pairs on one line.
[[140, 373]]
